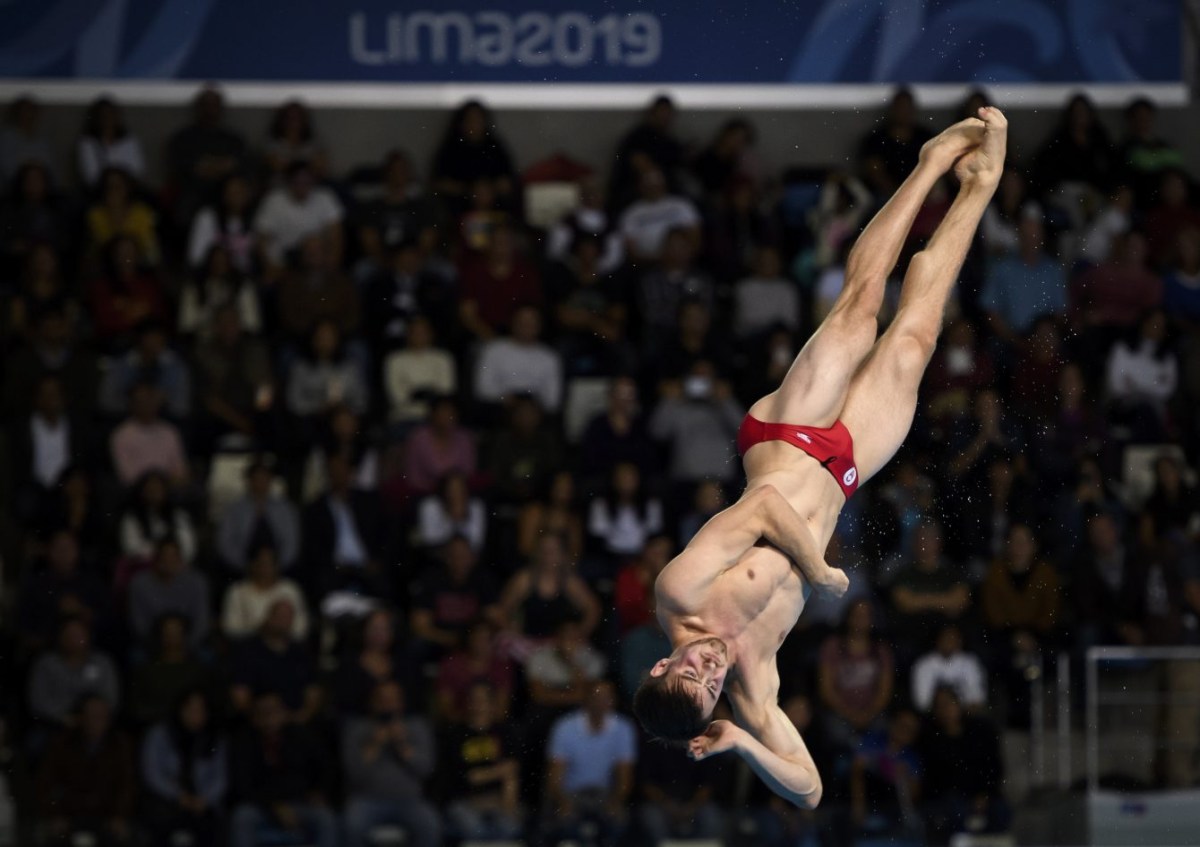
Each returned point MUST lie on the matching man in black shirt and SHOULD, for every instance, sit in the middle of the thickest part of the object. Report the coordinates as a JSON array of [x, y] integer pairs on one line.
[[482, 772], [273, 663], [450, 597]]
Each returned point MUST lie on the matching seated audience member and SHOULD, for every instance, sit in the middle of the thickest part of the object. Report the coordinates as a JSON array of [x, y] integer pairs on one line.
[[1106, 587], [556, 513], [151, 519], [417, 372], [677, 796], [169, 586], [890, 151], [403, 291], [204, 153], [375, 658], [39, 286], [225, 226], [959, 369], [478, 662], [327, 377], [260, 517], [471, 151], [119, 213], [291, 137], [438, 447], [561, 671], [1145, 155], [694, 339], [345, 433], [1024, 285], [591, 758], [494, 285], [272, 662], [962, 772], [1143, 376], [666, 285], [547, 592], [1173, 504], [927, 593], [646, 222], [449, 598], [235, 384], [698, 418], [126, 294], [633, 596], [452, 512], [345, 534], [885, 776], [33, 212], [949, 665], [589, 311], [856, 674], [766, 299], [146, 441], [618, 434], [151, 360], [58, 680], [1078, 152], [86, 782], [1114, 295], [520, 364], [296, 210], [215, 285], [708, 499], [55, 348], [59, 589], [736, 224], [170, 670], [624, 518], [249, 600], [1181, 285], [184, 771], [1169, 217], [42, 445], [314, 289], [401, 214], [651, 143], [387, 757], [727, 158], [481, 762], [1001, 221], [279, 780], [524, 454], [587, 221]]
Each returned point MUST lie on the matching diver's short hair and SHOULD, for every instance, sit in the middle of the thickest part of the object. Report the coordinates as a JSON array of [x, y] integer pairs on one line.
[[667, 710]]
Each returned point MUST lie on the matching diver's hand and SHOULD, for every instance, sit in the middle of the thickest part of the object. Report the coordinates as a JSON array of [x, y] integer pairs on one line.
[[720, 737]]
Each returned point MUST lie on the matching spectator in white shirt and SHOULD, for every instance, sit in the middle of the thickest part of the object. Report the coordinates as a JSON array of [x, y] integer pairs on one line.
[[767, 299], [107, 143], [949, 666], [520, 364], [1144, 373], [326, 378], [227, 224], [645, 224], [151, 518], [451, 512], [248, 601], [623, 519], [296, 210], [416, 373]]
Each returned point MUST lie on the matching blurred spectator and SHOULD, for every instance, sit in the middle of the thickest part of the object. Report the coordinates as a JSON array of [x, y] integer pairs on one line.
[[452, 512], [259, 518], [1181, 285], [707, 500], [589, 311], [43, 444], [42, 287], [885, 776], [481, 761], [343, 433], [1112, 221], [472, 151], [694, 339], [725, 159], [767, 298], [372, 661], [837, 217], [1143, 375], [562, 671], [226, 224], [1144, 154], [437, 448], [556, 513], [313, 289], [546, 593], [146, 442], [667, 285], [856, 675], [297, 211], [1023, 286], [234, 382], [520, 364], [650, 145], [622, 519], [633, 596], [86, 783], [291, 138], [678, 797], [450, 597], [203, 154], [1173, 506], [963, 773], [58, 590], [698, 418], [591, 757], [889, 152], [387, 756], [400, 215], [1012, 204], [483, 216], [249, 601], [589, 221], [126, 294], [345, 535], [738, 224], [73, 505], [59, 681], [171, 670], [1116, 293], [524, 455], [1035, 377], [618, 434], [106, 142], [1174, 213], [646, 223], [959, 369], [117, 211], [949, 665], [21, 139], [150, 361], [477, 663], [325, 378], [274, 664], [1108, 586], [31, 214], [183, 767], [402, 293], [169, 586], [216, 284], [495, 284], [416, 373], [926, 594], [1077, 154], [279, 780]]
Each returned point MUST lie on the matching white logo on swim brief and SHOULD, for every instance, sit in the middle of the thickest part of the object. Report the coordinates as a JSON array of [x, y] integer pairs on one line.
[[849, 476], [807, 439]]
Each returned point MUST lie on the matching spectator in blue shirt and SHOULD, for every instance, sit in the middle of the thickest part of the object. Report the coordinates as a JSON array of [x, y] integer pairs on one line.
[[1021, 287]]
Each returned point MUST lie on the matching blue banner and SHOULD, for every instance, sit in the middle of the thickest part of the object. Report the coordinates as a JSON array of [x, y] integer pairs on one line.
[[668, 41]]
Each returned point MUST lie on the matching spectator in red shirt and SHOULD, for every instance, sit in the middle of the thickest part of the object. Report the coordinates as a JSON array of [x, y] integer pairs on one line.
[[478, 661], [1116, 293], [1173, 214], [126, 295], [437, 448], [634, 594], [495, 285]]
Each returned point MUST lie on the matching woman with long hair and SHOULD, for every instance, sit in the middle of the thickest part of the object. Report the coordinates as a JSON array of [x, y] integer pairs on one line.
[[471, 151], [217, 283], [117, 211], [151, 517], [292, 137], [106, 142], [451, 512], [555, 513], [229, 222]]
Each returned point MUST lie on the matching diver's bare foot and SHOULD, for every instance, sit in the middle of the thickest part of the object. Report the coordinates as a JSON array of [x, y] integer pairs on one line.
[[945, 148], [984, 165]]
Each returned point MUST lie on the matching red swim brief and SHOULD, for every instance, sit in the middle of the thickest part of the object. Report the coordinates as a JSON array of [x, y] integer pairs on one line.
[[832, 447]]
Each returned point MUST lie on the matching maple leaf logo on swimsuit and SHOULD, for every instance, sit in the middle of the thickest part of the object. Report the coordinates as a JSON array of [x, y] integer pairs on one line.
[[807, 439], [849, 476]]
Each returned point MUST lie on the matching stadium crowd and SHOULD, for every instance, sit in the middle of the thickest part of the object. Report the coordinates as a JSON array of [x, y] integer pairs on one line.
[[335, 495]]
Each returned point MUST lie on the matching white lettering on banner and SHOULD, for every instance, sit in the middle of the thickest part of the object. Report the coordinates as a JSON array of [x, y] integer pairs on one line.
[[497, 39]]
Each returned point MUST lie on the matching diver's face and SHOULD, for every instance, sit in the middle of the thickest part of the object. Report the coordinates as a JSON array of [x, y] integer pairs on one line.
[[700, 667]]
